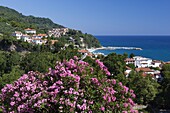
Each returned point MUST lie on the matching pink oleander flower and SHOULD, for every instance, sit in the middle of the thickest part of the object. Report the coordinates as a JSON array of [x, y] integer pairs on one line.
[[120, 83], [90, 102], [125, 105], [102, 108], [94, 80], [124, 111], [75, 58], [12, 103], [126, 89], [16, 94], [104, 97], [72, 85]]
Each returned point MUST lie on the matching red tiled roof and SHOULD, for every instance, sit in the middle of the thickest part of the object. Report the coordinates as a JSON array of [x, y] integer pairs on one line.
[[53, 41], [129, 59], [29, 29], [42, 35], [90, 54], [36, 39], [18, 32], [157, 61], [128, 68], [144, 74], [144, 69], [25, 35], [83, 51]]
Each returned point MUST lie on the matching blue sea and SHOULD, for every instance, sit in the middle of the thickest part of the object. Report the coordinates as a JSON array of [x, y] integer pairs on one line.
[[155, 47]]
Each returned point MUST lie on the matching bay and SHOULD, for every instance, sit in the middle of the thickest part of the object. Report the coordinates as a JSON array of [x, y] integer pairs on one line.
[[155, 47]]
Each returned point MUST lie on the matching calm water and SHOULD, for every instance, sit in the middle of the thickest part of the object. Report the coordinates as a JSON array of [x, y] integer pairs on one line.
[[155, 47]]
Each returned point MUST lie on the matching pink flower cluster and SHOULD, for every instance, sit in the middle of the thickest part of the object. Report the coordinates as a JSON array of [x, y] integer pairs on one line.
[[103, 67], [72, 86]]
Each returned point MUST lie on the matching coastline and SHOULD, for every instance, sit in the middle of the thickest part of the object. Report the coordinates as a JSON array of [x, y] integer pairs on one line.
[[155, 47], [92, 50]]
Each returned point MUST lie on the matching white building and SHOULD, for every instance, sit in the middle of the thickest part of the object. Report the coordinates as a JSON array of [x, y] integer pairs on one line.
[[142, 62], [156, 63], [42, 35], [145, 70], [139, 61], [18, 34], [130, 61], [36, 37], [127, 71], [29, 30], [37, 41], [58, 32], [26, 38]]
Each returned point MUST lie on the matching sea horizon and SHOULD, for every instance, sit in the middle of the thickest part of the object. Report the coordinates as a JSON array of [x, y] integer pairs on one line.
[[135, 35]]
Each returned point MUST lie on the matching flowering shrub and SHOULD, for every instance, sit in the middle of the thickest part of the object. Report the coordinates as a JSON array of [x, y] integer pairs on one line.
[[73, 86]]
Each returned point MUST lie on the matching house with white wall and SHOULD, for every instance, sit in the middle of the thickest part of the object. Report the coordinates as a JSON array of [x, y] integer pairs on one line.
[[130, 61], [26, 38], [139, 61], [142, 61], [145, 70], [127, 71], [156, 63], [30, 31], [17, 34], [42, 35], [37, 41]]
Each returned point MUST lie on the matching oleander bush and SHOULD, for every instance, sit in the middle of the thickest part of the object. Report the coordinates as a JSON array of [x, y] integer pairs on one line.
[[72, 87]]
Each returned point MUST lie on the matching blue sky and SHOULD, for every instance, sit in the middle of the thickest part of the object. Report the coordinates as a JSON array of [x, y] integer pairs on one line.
[[101, 17]]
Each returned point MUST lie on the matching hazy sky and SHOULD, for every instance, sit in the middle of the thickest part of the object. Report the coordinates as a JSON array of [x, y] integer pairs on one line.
[[101, 17]]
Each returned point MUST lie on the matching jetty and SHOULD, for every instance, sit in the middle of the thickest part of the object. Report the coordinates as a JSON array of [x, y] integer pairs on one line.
[[115, 48]]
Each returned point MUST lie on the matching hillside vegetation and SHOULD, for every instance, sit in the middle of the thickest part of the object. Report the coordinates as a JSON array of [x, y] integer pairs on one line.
[[11, 20]]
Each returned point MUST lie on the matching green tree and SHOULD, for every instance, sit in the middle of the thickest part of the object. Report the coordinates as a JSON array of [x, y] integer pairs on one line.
[[90, 61], [38, 61], [163, 101], [3, 60], [116, 65], [131, 55], [9, 78], [132, 66], [145, 88], [14, 58]]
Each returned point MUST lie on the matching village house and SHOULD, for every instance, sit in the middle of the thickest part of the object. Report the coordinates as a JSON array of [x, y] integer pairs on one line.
[[35, 39], [39, 41], [142, 61], [42, 35], [156, 74], [156, 63], [139, 62], [145, 70], [58, 32], [130, 61], [17, 34], [26, 38], [128, 70], [30, 31], [82, 42], [53, 41], [85, 53]]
